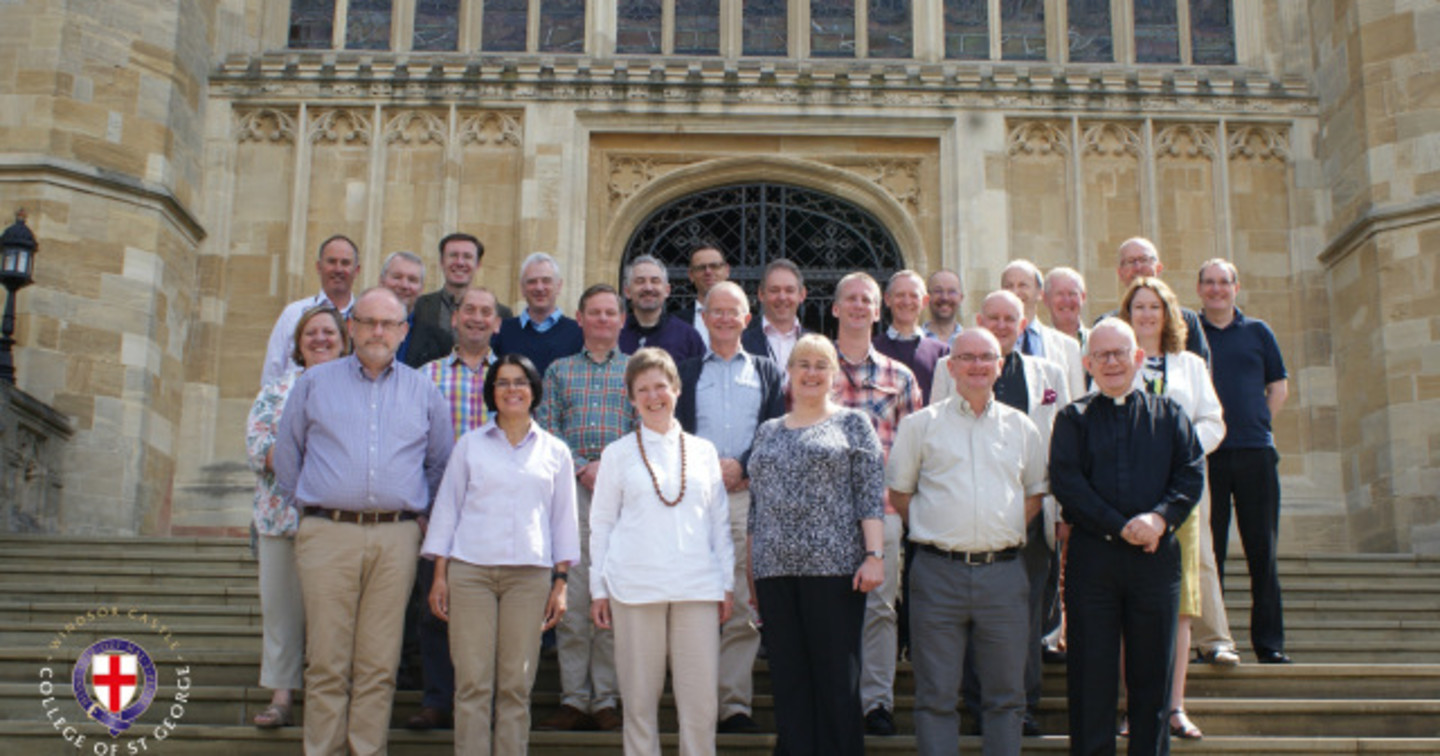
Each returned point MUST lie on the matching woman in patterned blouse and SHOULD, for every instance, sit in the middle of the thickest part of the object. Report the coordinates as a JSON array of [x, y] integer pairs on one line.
[[319, 337], [815, 543]]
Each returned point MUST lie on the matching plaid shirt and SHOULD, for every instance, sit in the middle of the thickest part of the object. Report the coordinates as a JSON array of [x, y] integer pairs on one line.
[[885, 390], [462, 388], [585, 403]]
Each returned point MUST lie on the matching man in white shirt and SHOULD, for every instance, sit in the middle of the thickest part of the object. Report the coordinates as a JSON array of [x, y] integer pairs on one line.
[[338, 262], [968, 475], [774, 333], [1024, 280]]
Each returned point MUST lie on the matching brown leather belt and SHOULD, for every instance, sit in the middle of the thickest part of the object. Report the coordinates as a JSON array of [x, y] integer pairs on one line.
[[360, 518], [972, 557]]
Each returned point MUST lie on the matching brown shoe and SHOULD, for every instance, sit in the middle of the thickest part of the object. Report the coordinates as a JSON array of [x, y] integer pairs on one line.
[[430, 718], [608, 719], [567, 719]]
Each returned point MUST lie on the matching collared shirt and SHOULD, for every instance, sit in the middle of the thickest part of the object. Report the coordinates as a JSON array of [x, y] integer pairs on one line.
[[281, 347], [699, 324], [970, 474], [540, 326], [882, 388], [462, 387], [895, 335], [949, 340], [781, 342], [1031, 342], [1113, 459], [502, 505], [585, 403], [1246, 360], [727, 402], [643, 551], [347, 441]]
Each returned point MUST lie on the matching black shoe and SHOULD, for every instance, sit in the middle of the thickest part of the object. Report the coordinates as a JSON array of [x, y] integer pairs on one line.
[[738, 724], [879, 721], [1030, 728], [1052, 655], [1272, 657]]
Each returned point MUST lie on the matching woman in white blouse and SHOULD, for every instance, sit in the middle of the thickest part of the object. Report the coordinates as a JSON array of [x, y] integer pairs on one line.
[[1153, 311], [662, 565], [503, 533]]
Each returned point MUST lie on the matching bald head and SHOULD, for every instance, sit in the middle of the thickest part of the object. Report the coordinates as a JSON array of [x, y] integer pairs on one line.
[[1137, 257], [1003, 315]]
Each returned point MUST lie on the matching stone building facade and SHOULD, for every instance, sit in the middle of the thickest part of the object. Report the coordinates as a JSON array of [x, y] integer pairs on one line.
[[181, 162]]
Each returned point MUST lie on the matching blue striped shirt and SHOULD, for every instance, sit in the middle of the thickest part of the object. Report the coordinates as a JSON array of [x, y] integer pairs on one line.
[[349, 442]]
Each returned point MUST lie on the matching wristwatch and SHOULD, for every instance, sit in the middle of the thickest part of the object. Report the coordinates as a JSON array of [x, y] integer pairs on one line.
[[558, 575], [877, 554]]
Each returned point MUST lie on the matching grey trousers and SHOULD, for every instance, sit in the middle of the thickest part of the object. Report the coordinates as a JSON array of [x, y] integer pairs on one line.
[[587, 654], [952, 605]]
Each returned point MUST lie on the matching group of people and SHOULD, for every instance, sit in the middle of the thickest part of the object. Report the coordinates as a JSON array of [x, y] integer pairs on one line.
[[667, 489]]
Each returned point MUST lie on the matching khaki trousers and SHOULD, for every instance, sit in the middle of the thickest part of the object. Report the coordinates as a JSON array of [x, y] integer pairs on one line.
[[356, 580], [495, 619], [1211, 630], [739, 638], [282, 614], [879, 643], [587, 653], [645, 634]]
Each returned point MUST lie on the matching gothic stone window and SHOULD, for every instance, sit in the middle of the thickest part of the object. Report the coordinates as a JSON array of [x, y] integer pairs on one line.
[[754, 224]]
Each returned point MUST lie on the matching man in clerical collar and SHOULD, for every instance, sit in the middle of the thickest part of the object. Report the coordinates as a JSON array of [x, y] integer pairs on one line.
[[724, 397], [647, 286], [1127, 469], [540, 332], [1024, 280], [774, 333], [904, 339], [707, 268], [946, 295]]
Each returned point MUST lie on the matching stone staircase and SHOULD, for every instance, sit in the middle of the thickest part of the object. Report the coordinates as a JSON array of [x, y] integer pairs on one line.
[[1363, 629]]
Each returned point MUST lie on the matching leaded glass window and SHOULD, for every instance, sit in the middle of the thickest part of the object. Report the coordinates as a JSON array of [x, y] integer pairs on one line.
[[764, 27], [697, 27], [1157, 31], [562, 26], [1022, 30], [437, 25], [890, 32], [639, 26], [1212, 32], [1091, 39], [367, 25], [832, 28], [312, 24], [503, 25], [967, 29]]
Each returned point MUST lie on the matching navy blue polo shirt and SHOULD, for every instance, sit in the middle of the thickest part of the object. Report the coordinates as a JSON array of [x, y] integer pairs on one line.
[[1244, 359]]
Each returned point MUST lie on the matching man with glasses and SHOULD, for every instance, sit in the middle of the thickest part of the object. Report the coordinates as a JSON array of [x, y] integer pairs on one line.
[[946, 295], [1127, 469], [1138, 257], [359, 452], [724, 397], [967, 475], [707, 268]]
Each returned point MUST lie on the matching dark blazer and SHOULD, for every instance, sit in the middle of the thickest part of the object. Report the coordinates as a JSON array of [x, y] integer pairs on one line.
[[772, 394], [753, 340], [430, 339], [686, 314]]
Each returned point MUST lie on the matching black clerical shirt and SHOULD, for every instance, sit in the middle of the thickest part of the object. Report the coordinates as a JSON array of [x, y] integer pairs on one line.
[[1111, 460]]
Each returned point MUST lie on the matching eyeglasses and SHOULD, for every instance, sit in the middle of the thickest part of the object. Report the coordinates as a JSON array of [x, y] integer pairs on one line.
[[713, 267], [1113, 355], [1136, 262], [369, 323], [971, 359], [505, 385], [728, 314]]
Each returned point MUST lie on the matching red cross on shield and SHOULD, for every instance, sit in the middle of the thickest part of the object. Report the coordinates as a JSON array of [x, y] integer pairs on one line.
[[114, 678]]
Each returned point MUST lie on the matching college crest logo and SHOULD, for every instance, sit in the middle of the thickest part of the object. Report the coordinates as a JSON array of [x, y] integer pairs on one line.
[[115, 682]]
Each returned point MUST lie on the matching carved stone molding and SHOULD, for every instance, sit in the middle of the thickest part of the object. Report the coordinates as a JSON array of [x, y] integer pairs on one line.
[[1259, 142], [627, 174], [899, 177], [416, 127], [1040, 138], [1110, 139], [1186, 140], [265, 125], [491, 128], [345, 126]]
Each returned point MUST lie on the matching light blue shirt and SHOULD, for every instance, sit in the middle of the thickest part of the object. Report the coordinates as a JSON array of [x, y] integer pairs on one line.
[[544, 325], [1036, 343], [727, 402]]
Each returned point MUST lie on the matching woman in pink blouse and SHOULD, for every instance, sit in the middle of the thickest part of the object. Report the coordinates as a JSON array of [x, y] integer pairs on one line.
[[502, 532], [319, 337]]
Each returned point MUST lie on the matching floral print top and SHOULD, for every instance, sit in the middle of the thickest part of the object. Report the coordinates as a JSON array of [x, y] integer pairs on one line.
[[272, 516]]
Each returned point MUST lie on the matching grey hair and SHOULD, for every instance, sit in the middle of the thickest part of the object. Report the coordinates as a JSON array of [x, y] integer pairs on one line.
[[907, 273], [1064, 272], [1111, 323], [1138, 241], [644, 260], [731, 287], [538, 257], [407, 257]]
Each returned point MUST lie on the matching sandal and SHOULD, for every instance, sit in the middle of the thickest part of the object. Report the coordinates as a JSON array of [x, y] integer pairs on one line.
[[1181, 726], [274, 716], [1124, 730]]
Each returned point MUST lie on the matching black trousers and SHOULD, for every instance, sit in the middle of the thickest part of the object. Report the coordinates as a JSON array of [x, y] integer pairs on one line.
[[1251, 479], [812, 633], [1116, 594]]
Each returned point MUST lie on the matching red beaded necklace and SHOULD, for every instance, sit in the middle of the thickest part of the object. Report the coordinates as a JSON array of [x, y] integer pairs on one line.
[[654, 481]]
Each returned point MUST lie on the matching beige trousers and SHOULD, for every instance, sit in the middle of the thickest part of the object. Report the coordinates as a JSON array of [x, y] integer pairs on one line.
[[686, 632], [1211, 629], [282, 613], [356, 580], [739, 638], [495, 619], [587, 653]]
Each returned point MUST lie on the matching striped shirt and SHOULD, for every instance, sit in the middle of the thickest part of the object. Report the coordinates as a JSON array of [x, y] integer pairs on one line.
[[585, 403], [462, 387]]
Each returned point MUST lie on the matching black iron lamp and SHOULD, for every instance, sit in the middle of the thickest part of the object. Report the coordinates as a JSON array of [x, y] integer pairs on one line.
[[17, 269]]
